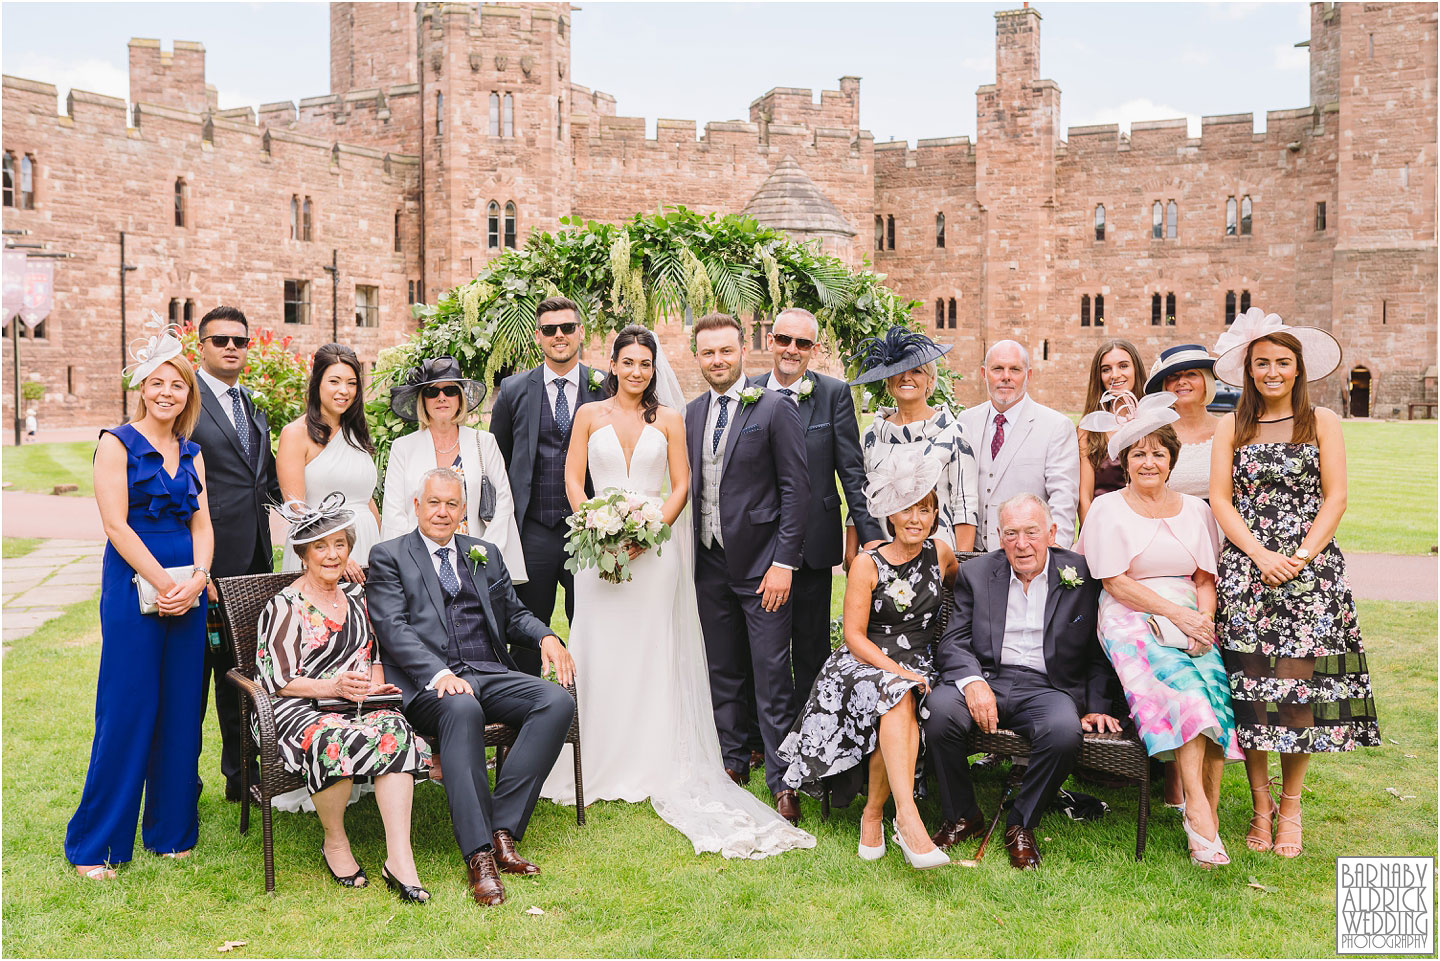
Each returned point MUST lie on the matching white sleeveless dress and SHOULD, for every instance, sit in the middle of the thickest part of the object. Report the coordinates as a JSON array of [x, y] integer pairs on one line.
[[646, 721], [345, 468]]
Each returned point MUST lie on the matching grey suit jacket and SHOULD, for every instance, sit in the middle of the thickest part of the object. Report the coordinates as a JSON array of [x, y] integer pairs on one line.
[[407, 609], [515, 424], [1041, 456]]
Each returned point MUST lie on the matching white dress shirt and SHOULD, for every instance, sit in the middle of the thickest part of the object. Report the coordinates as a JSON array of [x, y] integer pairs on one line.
[[222, 391], [570, 382], [774, 384], [1024, 643]]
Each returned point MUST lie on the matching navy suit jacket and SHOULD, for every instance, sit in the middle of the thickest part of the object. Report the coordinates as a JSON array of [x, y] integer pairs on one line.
[[407, 609], [763, 501], [832, 448], [973, 637], [239, 493], [515, 423]]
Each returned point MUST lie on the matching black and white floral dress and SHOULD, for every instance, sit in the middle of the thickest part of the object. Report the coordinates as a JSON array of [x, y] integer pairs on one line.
[[1298, 677], [839, 726], [940, 437]]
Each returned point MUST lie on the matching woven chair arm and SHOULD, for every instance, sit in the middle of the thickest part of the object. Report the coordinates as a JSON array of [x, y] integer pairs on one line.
[[260, 701]]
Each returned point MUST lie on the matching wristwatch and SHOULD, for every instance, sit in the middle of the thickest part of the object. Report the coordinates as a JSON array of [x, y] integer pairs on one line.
[[1302, 555], [203, 570]]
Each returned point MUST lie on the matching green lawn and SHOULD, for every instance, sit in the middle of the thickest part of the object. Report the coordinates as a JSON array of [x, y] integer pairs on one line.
[[39, 467], [19, 546], [627, 884], [1391, 505]]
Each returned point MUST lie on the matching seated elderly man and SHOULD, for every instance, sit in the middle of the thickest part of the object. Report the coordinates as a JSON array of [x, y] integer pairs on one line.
[[1020, 651]]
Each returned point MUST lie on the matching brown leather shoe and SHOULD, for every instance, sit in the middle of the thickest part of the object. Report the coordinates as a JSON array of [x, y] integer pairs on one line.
[[485, 885], [787, 802], [508, 858], [1020, 842], [757, 758], [737, 777], [953, 832]]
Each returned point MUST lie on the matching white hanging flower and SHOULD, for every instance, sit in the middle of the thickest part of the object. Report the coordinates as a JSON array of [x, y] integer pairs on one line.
[[750, 395], [901, 593], [597, 379], [1070, 578], [805, 388]]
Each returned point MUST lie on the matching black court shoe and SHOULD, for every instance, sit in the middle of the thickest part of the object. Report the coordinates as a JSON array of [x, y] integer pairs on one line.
[[356, 880], [407, 892]]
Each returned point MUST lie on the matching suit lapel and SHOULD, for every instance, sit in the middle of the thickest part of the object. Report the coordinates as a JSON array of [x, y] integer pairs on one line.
[[694, 427], [807, 407], [1052, 601], [482, 585], [261, 422], [426, 565], [587, 394], [737, 424], [211, 405], [999, 599], [534, 397], [1014, 440]]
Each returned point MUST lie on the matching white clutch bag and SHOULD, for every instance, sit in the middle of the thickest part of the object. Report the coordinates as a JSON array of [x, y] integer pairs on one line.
[[1167, 633], [149, 592]]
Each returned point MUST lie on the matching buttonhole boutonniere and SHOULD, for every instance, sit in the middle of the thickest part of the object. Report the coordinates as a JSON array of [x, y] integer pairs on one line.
[[1070, 578], [749, 396], [597, 379], [901, 593], [477, 557], [805, 388]]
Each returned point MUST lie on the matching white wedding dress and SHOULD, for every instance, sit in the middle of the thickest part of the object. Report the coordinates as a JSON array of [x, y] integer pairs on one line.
[[646, 722]]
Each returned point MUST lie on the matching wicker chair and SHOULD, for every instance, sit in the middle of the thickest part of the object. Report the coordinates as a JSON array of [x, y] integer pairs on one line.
[[241, 601], [1121, 754]]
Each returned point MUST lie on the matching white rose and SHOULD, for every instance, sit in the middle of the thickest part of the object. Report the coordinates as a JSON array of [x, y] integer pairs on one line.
[[651, 513]]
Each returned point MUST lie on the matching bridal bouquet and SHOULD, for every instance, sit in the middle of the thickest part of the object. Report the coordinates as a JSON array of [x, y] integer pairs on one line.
[[604, 527]]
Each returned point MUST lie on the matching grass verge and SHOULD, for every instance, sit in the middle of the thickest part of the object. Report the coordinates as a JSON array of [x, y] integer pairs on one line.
[[39, 467], [18, 546]]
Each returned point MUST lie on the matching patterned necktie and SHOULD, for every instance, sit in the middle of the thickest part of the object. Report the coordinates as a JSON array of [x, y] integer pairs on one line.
[[720, 423], [562, 406], [449, 583], [242, 423], [787, 392], [998, 440]]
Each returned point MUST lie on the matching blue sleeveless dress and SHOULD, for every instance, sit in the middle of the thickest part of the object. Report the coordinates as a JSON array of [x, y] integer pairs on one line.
[[149, 701]]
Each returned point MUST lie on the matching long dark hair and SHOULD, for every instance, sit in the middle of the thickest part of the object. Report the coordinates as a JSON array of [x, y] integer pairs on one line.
[[1096, 441], [636, 334], [352, 420], [1252, 405]]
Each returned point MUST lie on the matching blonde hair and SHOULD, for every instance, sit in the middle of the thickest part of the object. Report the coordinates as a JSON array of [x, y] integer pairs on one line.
[[422, 416], [185, 421]]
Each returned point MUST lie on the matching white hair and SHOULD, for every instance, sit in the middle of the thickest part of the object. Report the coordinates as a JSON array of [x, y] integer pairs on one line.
[[1024, 354], [445, 474], [1024, 500], [802, 312]]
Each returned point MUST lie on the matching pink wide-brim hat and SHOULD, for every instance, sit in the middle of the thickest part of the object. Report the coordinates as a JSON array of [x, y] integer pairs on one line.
[[1321, 349]]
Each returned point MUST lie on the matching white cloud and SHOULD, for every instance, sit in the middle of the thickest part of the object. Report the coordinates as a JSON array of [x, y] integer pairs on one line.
[[1142, 109], [94, 75], [1290, 57], [978, 63], [1233, 11]]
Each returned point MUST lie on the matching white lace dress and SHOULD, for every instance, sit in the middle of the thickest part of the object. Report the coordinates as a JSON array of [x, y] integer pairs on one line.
[[644, 693], [1192, 471]]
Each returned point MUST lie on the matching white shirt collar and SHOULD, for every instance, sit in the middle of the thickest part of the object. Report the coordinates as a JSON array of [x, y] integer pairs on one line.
[[217, 386], [572, 377], [1016, 413], [1042, 578], [774, 384], [733, 393], [431, 546]]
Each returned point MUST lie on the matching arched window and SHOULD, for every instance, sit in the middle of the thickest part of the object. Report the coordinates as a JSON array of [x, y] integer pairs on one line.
[[879, 232], [939, 313], [1099, 310], [1230, 216], [27, 186], [494, 114], [1099, 221], [507, 116], [940, 229], [952, 313], [9, 179], [1245, 220], [1084, 310], [1244, 301], [510, 224], [1229, 306], [1172, 220], [439, 113], [294, 217], [492, 226], [1170, 310], [1155, 311], [307, 221], [1157, 221], [179, 198], [890, 231]]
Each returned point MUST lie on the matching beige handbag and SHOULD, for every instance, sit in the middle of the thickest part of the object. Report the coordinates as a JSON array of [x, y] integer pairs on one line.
[[149, 593]]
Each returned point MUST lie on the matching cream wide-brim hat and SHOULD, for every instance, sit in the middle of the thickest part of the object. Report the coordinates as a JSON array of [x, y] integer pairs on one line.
[[1320, 349]]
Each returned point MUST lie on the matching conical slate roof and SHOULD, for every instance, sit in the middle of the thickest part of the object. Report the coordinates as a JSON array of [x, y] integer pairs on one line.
[[789, 200]]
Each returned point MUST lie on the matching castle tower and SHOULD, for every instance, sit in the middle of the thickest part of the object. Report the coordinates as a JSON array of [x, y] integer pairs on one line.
[[371, 45], [1017, 122]]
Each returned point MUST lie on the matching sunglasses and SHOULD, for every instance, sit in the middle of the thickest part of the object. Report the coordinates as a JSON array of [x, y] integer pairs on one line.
[[223, 341], [430, 393], [550, 330], [785, 340]]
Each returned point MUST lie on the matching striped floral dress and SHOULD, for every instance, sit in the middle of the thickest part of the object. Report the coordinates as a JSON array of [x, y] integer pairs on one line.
[[297, 640]]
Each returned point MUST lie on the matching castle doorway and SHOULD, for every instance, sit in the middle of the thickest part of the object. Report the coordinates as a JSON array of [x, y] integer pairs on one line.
[[1360, 392]]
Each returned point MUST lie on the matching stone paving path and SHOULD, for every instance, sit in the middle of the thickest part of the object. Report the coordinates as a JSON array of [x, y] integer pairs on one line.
[[40, 585]]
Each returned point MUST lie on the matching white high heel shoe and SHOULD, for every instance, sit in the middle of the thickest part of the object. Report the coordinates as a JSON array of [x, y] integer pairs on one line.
[[867, 853], [1204, 852], [920, 862]]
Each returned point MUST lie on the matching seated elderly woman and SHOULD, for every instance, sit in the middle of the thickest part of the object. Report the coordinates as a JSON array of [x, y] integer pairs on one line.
[[315, 644], [867, 700], [1155, 552]]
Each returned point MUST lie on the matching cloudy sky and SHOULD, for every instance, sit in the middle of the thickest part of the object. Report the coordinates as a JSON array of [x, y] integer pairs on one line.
[[920, 62]]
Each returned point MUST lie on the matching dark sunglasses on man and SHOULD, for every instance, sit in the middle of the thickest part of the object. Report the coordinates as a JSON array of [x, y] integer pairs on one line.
[[784, 340], [220, 340], [431, 392], [550, 330]]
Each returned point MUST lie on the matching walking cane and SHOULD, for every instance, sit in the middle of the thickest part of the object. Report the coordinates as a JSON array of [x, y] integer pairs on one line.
[[1011, 781]]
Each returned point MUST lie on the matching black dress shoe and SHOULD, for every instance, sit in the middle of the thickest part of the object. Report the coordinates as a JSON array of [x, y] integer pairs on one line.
[[1020, 842], [953, 832], [408, 892], [233, 792], [986, 762], [356, 880], [737, 777]]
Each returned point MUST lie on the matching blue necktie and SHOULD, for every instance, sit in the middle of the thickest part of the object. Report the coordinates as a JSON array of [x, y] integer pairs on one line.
[[242, 423], [562, 406], [449, 583], [720, 423]]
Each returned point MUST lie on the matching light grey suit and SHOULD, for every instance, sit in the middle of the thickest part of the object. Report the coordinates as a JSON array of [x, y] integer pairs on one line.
[[1040, 456]]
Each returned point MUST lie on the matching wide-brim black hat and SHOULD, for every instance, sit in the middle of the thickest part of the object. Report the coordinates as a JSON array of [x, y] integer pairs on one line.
[[405, 398], [901, 349]]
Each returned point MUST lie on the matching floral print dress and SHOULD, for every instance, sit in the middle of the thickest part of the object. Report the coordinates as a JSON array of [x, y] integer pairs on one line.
[[1297, 668], [943, 438], [296, 639], [839, 726]]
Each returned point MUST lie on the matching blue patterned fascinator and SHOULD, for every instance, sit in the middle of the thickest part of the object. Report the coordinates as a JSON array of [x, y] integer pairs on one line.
[[901, 349]]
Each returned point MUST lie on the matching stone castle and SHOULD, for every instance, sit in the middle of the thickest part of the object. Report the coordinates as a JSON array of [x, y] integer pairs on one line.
[[452, 131]]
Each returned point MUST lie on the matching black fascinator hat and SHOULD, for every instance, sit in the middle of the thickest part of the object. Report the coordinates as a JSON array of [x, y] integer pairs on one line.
[[901, 349]]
